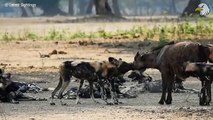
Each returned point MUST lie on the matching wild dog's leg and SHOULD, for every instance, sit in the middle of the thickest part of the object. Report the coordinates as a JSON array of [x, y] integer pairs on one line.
[[56, 90], [205, 93], [78, 91], [103, 84], [12, 97], [103, 93], [64, 86], [202, 93], [164, 87], [91, 92], [113, 92], [170, 82], [117, 88], [208, 92]]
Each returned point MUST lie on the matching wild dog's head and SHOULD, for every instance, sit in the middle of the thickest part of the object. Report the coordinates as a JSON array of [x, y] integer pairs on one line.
[[121, 65], [4, 79]]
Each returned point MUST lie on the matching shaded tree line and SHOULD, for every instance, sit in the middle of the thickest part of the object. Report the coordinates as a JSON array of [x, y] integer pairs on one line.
[[102, 7]]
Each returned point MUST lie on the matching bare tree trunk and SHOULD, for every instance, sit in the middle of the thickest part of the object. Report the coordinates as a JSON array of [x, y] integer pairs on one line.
[[173, 7], [115, 7], [102, 7], [26, 11], [190, 9], [71, 5], [82, 4], [90, 6]]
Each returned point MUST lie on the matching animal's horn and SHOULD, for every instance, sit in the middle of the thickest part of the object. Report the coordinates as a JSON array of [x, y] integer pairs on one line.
[[209, 45]]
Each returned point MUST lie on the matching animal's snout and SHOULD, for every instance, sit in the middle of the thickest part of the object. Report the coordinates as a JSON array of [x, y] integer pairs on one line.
[[138, 65], [135, 64]]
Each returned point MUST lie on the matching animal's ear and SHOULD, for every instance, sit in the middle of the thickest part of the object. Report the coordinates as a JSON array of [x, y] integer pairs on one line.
[[112, 60], [120, 59], [138, 54]]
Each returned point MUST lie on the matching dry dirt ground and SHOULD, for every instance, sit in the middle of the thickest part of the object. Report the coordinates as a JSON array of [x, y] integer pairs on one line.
[[26, 65], [24, 62]]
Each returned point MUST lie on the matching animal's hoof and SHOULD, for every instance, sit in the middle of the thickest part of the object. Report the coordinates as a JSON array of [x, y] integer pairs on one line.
[[168, 102], [120, 102], [201, 103], [116, 103], [52, 103], [161, 102], [207, 104]]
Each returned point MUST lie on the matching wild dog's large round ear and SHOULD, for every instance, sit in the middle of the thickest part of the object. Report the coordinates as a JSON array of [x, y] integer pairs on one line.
[[120, 59], [112, 59], [137, 55]]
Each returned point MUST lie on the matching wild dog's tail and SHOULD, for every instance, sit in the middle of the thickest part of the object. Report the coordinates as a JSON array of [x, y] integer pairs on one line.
[[57, 88]]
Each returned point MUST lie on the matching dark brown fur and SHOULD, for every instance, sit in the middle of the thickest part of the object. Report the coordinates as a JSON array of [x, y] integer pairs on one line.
[[169, 61]]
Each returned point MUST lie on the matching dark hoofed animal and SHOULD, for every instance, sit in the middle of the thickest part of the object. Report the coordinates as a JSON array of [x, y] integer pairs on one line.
[[169, 60], [101, 72]]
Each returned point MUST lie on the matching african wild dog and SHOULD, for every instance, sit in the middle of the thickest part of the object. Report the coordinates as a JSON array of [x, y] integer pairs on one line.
[[199, 69], [169, 60], [202, 70], [122, 68], [7, 88], [90, 71]]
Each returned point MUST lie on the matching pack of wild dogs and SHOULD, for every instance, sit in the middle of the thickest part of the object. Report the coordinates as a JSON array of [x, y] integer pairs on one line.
[[173, 60]]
